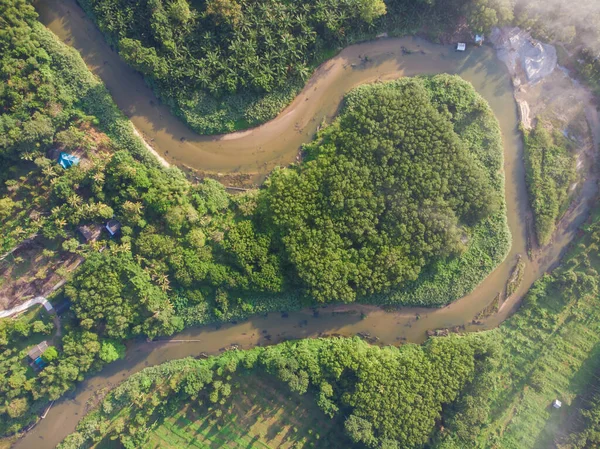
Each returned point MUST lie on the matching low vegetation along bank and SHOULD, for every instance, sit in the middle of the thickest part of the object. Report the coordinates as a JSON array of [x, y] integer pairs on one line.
[[188, 254], [493, 389], [354, 383], [550, 166]]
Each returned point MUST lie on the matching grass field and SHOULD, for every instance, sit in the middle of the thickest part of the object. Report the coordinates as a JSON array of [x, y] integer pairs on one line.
[[262, 413], [554, 353]]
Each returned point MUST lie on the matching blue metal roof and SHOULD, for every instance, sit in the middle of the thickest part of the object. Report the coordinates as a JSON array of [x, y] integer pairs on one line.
[[66, 160]]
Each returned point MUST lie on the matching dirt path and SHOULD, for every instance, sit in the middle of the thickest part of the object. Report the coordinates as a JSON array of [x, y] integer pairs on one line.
[[26, 305]]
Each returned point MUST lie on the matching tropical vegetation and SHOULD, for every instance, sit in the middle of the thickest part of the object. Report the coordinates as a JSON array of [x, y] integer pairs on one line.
[[388, 397], [550, 166], [227, 64], [406, 175], [223, 65], [497, 387], [192, 253], [549, 352]]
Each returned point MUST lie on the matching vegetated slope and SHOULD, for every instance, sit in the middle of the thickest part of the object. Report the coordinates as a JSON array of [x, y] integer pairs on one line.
[[549, 351], [507, 377], [386, 397], [550, 169], [228, 64], [46, 98], [409, 176], [49, 100], [584, 428]]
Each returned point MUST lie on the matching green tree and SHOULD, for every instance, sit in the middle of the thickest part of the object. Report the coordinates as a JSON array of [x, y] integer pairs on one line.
[[111, 350], [50, 355]]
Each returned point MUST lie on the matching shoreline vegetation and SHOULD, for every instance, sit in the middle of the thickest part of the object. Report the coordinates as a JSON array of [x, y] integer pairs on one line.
[[52, 100], [511, 376], [547, 350], [550, 173], [229, 65], [190, 254]]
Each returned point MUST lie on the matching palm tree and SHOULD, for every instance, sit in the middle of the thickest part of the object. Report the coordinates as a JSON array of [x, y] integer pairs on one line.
[[74, 200], [49, 171], [60, 222], [163, 282]]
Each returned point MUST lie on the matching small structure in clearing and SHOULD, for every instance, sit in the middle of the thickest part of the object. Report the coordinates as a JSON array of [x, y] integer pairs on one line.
[[461, 46], [557, 404], [479, 39], [35, 354], [66, 160], [37, 350], [90, 232], [113, 226]]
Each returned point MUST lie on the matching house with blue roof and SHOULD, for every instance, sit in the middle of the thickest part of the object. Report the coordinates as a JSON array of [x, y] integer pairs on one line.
[[66, 160]]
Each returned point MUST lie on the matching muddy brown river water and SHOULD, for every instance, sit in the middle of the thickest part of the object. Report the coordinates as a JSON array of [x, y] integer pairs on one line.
[[275, 143]]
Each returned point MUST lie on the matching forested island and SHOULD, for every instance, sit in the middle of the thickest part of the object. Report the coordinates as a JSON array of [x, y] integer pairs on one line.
[[398, 201]]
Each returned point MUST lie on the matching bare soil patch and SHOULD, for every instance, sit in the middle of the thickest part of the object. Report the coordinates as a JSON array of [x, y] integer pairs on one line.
[[33, 270]]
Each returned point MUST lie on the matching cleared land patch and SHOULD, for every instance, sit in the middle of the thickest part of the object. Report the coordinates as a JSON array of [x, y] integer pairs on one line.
[[261, 413]]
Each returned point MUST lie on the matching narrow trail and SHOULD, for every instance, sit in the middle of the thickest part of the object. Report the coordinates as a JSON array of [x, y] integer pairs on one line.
[[26, 305]]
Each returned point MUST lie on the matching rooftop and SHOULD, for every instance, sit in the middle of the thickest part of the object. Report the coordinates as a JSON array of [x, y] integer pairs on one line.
[[37, 350], [113, 226], [90, 232]]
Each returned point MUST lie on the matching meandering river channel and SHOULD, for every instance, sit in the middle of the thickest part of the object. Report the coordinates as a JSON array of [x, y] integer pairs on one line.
[[277, 142]]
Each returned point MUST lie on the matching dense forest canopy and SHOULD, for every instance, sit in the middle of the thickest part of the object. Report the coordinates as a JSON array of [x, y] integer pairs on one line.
[[491, 389], [190, 254], [387, 188], [229, 64], [212, 58]]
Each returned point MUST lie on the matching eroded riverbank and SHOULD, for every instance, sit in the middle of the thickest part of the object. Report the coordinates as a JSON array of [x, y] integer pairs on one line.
[[276, 143]]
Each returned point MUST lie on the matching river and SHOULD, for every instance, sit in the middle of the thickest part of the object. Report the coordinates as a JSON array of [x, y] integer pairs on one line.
[[257, 151]]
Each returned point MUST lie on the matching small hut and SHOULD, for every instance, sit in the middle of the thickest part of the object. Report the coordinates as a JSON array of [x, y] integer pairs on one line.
[[113, 227], [38, 350], [461, 46], [35, 354], [90, 232], [557, 404], [66, 160]]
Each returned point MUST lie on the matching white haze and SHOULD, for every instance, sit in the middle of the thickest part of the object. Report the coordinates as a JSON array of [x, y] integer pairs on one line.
[[564, 20]]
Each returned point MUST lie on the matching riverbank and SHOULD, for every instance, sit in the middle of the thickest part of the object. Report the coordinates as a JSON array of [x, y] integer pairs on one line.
[[406, 324], [551, 101], [276, 143], [538, 355]]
